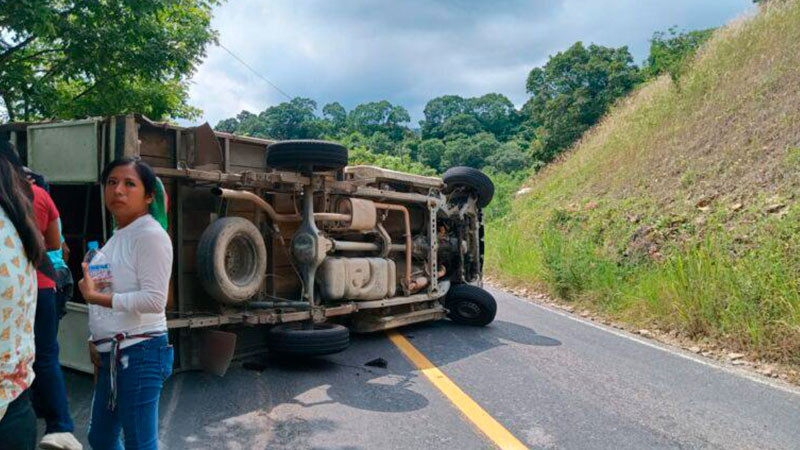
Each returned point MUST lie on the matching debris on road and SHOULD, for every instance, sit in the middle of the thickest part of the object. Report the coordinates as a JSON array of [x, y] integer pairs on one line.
[[377, 362]]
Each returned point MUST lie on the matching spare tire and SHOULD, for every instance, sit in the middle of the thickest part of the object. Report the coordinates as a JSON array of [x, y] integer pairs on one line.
[[470, 305], [304, 339], [231, 259], [305, 154], [473, 180]]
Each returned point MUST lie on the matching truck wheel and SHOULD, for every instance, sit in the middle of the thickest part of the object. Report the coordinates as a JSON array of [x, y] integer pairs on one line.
[[473, 180], [231, 260], [470, 305], [304, 339], [302, 154]]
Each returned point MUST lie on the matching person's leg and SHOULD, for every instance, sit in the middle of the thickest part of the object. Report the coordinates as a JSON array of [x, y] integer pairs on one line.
[[104, 425], [149, 364], [18, 425], [49, 391]]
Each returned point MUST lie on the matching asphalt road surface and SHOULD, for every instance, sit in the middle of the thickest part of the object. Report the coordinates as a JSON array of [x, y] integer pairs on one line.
[[549, 379]]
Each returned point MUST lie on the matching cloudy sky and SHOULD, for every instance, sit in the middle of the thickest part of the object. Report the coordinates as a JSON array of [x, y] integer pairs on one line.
[[407, 52]]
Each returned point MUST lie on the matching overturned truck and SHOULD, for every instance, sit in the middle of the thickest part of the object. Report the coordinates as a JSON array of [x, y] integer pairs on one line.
[[278, 245]]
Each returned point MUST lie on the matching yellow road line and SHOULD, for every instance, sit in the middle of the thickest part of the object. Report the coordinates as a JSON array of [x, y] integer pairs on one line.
[[473, 411]]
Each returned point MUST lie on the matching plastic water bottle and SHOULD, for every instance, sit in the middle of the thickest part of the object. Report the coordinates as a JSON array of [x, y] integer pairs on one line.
[[99, 268]]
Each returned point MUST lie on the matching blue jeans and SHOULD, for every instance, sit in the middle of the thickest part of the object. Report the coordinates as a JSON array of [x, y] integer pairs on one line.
[[48, 393], [140, 376], [18, 425]]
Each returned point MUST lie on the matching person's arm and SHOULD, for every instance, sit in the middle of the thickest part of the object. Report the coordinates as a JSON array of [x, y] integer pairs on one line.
[[64, 252], [52, 237], [153, 262]]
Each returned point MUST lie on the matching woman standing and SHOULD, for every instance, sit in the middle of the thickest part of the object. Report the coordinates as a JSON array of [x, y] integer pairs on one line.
[[128, 325], [21, 250]]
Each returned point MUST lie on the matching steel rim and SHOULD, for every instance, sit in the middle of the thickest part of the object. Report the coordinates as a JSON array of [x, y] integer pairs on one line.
[[240, 260]]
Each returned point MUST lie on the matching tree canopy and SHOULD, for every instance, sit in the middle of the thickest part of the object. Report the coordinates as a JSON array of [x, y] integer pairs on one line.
[[65, 59], [670, 51], [574, 89]]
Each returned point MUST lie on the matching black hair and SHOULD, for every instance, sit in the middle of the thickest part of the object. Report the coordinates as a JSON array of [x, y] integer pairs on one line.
[[16, 199], [143, 169], [38, 179]]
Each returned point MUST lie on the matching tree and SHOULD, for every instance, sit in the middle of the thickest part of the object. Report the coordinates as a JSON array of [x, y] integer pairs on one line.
[[469, 151], [291, 120], [336, 115], [574, 89], [508, 158], [496, 114], [438, 110], [462, 123], [671, 51], [380, 144], [430, 153], [228, 125], [69, 58], [369, 118]]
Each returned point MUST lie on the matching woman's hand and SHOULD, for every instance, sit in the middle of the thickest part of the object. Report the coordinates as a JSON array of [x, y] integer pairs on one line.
[[89, 290]]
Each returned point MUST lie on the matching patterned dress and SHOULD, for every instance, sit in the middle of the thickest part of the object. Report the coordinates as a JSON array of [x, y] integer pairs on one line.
[[17, 311]]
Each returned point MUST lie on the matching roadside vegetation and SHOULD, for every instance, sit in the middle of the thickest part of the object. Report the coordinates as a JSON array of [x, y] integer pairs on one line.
[[679, 209]]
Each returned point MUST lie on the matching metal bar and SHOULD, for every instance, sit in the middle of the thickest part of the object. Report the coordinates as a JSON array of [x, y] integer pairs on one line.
[[258, 201], [348, 246], [385, 323], [332, 217], [177, 149], [408, 284], [15, 142], [417, 298], [203, 321], [102, 191], [86, 213], [433, 241], [260, 304], [256, 179]]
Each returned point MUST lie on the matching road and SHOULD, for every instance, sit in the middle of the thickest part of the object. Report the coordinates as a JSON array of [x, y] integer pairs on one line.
[[549, 379]]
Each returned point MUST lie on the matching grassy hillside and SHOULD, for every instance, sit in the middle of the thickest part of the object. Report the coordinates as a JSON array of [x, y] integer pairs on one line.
[[680, 209]]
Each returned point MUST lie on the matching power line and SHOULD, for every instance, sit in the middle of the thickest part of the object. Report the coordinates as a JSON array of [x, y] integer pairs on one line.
[[255, 71]]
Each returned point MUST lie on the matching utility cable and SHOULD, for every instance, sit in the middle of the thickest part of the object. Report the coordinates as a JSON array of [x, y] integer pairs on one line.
[[255, 71]]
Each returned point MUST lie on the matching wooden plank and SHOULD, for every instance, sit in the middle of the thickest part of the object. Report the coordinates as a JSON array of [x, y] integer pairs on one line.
[[196, 298], [189, 257], [156, 142], [156, 161], [179, 245], [195, 222], [237, 206], [227, 154]]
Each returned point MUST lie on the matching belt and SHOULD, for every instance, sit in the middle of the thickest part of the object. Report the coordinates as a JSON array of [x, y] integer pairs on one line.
[[115, 356]]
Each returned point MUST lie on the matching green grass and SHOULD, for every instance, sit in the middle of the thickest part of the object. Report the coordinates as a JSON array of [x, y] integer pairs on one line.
[[743, 293], [638, 220]]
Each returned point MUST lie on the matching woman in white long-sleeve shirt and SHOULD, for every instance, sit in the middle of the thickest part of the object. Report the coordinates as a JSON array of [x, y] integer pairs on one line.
[[128, 324]]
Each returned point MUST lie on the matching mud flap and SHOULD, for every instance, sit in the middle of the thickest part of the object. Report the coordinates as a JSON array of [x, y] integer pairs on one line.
[[216, 351]]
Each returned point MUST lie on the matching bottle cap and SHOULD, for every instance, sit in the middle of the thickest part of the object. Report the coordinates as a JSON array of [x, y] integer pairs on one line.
[[93, 245]]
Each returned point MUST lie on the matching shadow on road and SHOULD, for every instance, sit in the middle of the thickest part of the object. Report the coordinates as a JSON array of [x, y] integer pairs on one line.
[[298, 403]]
